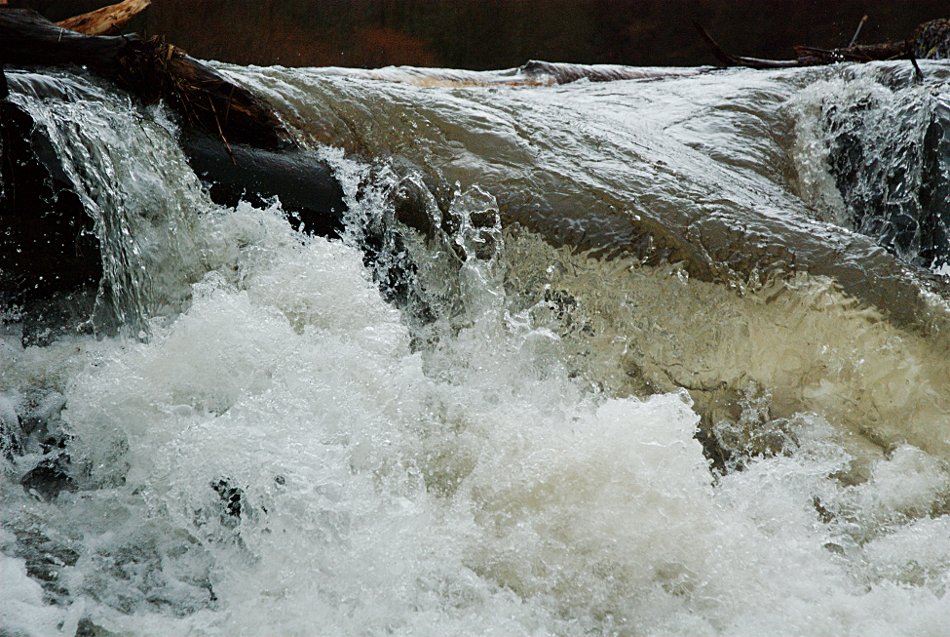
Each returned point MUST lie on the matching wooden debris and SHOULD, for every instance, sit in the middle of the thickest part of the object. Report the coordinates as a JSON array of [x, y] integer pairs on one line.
[[729, 59], [857, 32], [152, 70], [931, 40], [107, 20]]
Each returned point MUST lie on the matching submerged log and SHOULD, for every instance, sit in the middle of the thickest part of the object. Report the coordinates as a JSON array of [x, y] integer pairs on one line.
[[107, 20], [240, 133]]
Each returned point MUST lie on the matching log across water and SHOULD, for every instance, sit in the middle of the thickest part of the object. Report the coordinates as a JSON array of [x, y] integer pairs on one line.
[[106, 21]]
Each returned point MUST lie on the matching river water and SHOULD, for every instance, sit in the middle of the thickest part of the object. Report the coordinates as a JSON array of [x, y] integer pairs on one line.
[[662, 356]]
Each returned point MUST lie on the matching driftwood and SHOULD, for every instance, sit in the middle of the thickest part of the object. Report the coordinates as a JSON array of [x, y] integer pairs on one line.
[[107, 20], [931, 40]]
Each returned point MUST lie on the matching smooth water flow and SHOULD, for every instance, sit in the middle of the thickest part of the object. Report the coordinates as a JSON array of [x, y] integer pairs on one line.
[[554, 426]]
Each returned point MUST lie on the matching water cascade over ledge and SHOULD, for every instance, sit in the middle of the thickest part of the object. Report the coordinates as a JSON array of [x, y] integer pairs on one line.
[[667, 355]]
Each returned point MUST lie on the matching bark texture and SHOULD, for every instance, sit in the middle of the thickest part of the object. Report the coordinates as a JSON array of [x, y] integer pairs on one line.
[[107, 20]]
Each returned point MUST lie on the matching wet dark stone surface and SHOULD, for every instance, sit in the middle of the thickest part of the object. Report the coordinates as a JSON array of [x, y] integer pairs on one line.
[[896, 187], [305, 185], [49, 478], [46, 238]]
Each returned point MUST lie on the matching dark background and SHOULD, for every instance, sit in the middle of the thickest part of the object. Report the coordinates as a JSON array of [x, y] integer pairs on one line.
[[492, 34]]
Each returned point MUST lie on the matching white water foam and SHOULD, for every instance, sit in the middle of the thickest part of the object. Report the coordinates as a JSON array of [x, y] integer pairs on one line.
[[471, 489]]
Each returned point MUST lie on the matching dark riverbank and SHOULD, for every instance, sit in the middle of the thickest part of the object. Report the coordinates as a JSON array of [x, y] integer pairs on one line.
[[483, 34]]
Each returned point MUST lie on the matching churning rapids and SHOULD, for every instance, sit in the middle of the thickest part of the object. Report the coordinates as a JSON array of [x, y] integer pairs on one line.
[[669, 356]]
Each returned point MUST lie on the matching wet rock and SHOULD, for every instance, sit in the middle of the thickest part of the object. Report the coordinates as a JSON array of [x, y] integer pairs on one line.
[[88, 628], [935, 189], [52, 474], [307, 190], [47, 244], [43, 451], [10, 429], [45, 318], [46, 558], [232, 498], [49, 478], [50, 264], [894, 178]]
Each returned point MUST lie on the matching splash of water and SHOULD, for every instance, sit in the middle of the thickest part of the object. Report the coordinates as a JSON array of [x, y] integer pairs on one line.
[[288, 453]]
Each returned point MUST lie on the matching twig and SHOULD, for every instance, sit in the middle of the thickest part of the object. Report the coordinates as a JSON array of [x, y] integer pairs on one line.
[[220, 131], [741, 60], [721, 55], [857, 31]]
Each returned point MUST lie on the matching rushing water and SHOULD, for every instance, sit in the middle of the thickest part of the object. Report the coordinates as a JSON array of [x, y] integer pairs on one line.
[[634, 379]]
